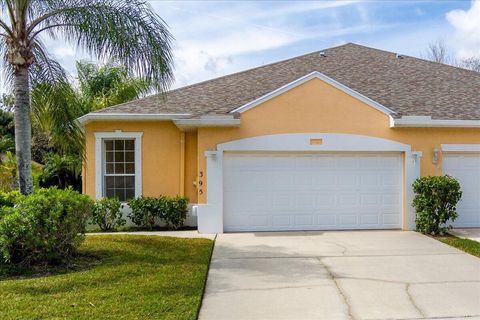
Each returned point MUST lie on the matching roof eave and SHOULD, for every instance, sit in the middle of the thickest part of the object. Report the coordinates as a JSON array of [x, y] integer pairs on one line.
[[428, 122], [83, 120]]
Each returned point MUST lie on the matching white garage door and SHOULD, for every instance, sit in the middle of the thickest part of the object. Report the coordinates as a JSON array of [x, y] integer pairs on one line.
[[466, 168], [265, 192]]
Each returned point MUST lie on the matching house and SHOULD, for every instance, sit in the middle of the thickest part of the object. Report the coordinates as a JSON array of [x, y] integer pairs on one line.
[[327, 140]]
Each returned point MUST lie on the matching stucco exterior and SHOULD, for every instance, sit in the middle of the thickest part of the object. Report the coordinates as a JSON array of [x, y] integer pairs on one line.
[[174, 163]]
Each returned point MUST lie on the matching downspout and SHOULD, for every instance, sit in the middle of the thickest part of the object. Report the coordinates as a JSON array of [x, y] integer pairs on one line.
[[182, 164]]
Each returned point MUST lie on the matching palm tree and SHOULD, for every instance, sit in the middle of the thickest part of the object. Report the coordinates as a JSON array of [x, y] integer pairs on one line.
[[127, 31]]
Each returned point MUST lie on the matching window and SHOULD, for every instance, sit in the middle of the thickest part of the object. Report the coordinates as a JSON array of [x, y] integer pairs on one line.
[[119, 168]]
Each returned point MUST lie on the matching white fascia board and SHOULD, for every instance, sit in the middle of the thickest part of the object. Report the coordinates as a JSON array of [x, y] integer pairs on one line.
[[207, 121], [129, 117], [428, 122], [474, 147], [309, 77]]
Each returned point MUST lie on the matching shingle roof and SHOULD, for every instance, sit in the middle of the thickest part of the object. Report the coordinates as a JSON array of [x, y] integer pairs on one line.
[[409, 86]]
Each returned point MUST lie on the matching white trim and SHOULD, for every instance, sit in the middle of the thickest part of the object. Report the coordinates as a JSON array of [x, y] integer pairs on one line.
[[99, 137], [210, 215], [309, 77], [461, 147], [427, 121], [207, 121], [129, 117], [301, 142]]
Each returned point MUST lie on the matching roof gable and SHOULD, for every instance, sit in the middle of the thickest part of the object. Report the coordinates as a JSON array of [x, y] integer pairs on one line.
[[308, 77]]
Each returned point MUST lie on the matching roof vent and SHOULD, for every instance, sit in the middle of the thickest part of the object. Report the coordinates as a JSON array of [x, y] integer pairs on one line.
[[398, 56], [323, 54]]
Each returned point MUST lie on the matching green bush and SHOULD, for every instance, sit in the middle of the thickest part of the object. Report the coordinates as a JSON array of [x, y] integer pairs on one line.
[[175, 212], [146, 210], [7, 199], [43, 228], [107, 215], [435, 203]]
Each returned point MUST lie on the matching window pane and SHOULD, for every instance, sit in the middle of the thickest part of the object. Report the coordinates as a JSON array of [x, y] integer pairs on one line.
[[109, 182], [120, 194], [129, 156], [119, 182], [119, 168], [129, 168], [109, 156], [129, 194], [119, 145], [130, 182], [108, 145], [109, 168], [119, 156], [110, 193], [129, 145]]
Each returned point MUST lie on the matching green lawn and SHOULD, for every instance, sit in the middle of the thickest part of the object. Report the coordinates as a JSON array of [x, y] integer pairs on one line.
[[132, 277], [467, 245]]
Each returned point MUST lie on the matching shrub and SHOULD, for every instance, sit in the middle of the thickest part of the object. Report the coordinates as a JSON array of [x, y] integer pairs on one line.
[[175, 212], [435, 203], [107, 215], [43, 228], [145, 210]]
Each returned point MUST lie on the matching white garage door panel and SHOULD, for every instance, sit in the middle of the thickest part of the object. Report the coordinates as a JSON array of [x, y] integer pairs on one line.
[[312, 191], [466, 168]]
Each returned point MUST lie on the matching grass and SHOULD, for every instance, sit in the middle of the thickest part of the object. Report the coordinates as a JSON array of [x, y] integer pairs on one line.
[[131, 277], [469, 246], [135, 229]]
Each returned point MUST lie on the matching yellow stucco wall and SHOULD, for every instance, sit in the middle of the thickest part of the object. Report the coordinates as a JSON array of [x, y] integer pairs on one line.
[[311, 107], [160, 155]]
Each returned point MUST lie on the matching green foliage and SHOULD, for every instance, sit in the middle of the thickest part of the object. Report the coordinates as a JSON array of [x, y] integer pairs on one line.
[[175, 212], [146, 211], [106, 85], [8, 172], [43, 228], [62, 171], [107, 215], [7, 139], [435, 203]]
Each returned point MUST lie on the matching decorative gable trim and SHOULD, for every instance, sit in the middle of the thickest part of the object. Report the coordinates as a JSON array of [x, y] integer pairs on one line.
[[309, 77]]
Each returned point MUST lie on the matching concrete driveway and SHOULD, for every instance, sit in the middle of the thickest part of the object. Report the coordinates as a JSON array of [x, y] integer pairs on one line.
[[339, 275]]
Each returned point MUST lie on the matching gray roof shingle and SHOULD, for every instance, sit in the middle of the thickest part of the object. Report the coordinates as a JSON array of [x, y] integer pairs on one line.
[[409, 86]]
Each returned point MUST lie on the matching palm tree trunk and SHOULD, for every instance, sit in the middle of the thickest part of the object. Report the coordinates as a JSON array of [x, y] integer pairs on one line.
[[23, 129]]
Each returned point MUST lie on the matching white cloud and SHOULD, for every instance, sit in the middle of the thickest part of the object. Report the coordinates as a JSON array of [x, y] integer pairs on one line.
[[467, 30]]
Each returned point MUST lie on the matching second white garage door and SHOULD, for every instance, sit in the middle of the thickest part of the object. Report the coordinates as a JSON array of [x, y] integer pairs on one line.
[[275, 191], [466, 168]]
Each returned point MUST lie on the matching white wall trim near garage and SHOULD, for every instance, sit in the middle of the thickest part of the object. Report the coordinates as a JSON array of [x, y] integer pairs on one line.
[[460, 147], [211, 215]]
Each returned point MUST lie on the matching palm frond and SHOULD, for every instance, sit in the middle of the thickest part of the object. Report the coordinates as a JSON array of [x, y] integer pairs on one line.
[[126, 30]]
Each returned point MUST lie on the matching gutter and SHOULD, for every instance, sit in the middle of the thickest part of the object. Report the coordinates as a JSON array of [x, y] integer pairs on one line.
[[181, 120], [89, 117], [219, 121], [428, 122]]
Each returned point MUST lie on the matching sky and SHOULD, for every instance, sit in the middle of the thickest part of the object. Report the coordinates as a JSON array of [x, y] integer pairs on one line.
[[214, 38]]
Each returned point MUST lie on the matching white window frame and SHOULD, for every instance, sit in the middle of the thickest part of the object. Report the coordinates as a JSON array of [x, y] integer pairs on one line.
[[100, 155]]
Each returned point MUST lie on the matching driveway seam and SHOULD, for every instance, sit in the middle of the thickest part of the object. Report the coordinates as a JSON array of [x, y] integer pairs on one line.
[[339, 289]]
